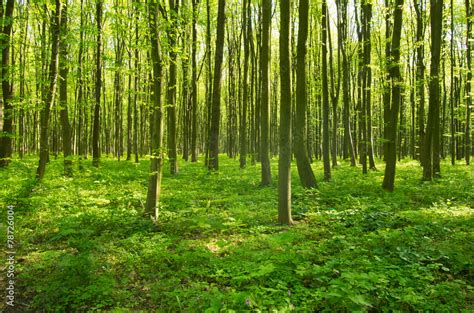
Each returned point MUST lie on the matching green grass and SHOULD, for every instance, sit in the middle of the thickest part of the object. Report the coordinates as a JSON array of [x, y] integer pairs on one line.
[[84, 245]]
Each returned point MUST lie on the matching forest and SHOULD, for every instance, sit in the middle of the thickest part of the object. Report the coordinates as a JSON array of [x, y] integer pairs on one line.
[[236, 156]]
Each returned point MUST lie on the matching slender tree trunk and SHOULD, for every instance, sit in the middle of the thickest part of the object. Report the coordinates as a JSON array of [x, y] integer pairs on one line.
[[304, 167], [216, 95], [326, 158], [265, 93], [452, 141], [171, 94], [335, 87], [98, 87], [63, 73], [194, 97], [348, 146], [431, 144], [136, 86], [396, 81], [284, 161], [243, 117], [467, 131], [48, 93], [367, 11], [420, 73]]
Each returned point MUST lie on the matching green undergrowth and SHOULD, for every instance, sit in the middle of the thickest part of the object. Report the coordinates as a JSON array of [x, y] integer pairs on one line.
[[83, 244]]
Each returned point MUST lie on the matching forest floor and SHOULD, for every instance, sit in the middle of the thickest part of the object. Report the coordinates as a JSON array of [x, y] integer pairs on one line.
[[82, 243]]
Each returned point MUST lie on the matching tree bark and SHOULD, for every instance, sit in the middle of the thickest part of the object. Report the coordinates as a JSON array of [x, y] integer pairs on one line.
[[63, 73], [48, 94], [431, 144], [305, 171], [7, 85], [391, 119], [324, 65], [265, 93], [284, 161], [98, 87], [156, 127], [467, 130], [216, 94]]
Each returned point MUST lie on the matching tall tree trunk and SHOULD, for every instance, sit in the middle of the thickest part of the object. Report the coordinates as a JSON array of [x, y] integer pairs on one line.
[[335, 87], [284, 161], [7, 84], [367, 11], [304, 167], [194, 90], [98, 87], [63, 73], [420, 74], [171, 94], [243, 117], [348, 146], [467, 131], [387, 83], [265, 93], [324, 67], [48, 93], [156, 127], [135, 85], [431, 144], [216, 94], [391, 119]]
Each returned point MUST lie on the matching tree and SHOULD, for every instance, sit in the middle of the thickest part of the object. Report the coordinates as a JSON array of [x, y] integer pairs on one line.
[[467, 131], [348, 145], [431, 144], [265, 92], [98, 87], [284, 161], [156, 127], [194, 90], [63, 73], [391, 118], [367, 81], [7, 84], [420, 72], [301, 152], [171, 91], [48, 93], [324, 73], [246, 30], [216, 95]]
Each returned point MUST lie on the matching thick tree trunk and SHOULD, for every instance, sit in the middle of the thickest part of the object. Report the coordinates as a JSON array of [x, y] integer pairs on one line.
[[304, 167], [7, 84], [156, 133]]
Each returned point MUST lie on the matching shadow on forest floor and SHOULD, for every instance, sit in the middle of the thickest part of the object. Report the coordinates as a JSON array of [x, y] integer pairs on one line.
[[83, 243]]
